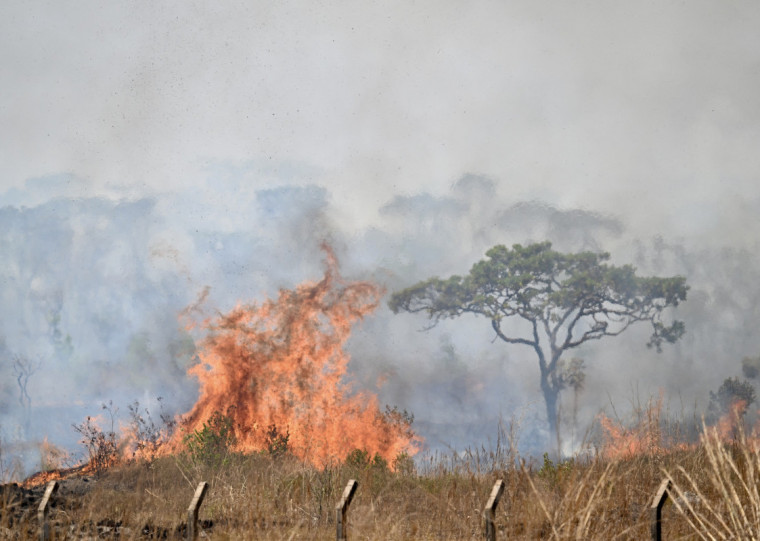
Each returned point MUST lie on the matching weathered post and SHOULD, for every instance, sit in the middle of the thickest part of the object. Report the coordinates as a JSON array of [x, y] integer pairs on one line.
[[42, 510], [342, 509], [192, 511], [489, 513], [655, 510]]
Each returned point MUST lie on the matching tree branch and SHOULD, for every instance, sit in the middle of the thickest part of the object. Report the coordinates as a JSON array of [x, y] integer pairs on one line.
[[497, 327]]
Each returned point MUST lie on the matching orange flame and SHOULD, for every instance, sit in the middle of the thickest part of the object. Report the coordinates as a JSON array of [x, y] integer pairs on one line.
[[282, 364], [728, 425], [644, 438], [44, 477]]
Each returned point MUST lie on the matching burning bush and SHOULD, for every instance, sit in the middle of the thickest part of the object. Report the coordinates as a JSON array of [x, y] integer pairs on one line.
[[101, 446]]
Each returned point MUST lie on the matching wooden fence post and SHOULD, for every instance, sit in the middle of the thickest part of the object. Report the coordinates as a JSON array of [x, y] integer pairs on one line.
[[489, 512], [342, 508], [655, 510], [42, 510], [192, 511]]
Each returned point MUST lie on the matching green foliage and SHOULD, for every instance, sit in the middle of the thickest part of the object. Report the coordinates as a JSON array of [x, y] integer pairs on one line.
[[211, 444], [565, 299], [379, 463], [403, 464], [555, 474], [564, 291], [358, 458], [361, 459], [277, 442]]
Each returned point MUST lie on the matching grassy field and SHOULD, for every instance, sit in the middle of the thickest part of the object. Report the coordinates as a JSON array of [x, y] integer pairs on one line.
[[260, 496]]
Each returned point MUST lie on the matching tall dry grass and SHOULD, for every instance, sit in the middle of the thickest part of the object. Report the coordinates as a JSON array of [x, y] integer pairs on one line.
[[438, 497], [721, 501], [256, 497]]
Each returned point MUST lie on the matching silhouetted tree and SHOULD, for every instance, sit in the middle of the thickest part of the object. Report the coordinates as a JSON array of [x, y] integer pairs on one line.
[[23, 369], [565, 299]]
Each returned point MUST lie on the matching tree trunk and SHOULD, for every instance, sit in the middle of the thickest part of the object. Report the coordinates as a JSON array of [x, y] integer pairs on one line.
[[550, 398]]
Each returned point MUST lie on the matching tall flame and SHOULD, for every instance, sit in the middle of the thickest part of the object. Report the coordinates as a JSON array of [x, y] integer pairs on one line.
[[282, 364]]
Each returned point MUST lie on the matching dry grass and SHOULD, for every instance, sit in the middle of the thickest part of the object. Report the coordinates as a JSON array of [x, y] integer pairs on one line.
[[257, 497], [721, 501]]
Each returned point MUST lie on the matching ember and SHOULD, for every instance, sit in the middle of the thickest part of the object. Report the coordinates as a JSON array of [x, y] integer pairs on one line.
[[59, 474]]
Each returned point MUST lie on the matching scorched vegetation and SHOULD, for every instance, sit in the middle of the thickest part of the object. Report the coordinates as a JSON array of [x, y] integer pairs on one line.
[[273, 494]]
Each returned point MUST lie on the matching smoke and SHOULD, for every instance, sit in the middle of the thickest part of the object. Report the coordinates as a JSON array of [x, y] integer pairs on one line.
[[96, 287], [459, 373], [152, 153]]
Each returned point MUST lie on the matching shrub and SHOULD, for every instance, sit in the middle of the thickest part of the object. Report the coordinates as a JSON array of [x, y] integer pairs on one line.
[[555, 473], [277, 442], [148, 436], [211, 444], [361, 460], [101, 446], [403, 464]]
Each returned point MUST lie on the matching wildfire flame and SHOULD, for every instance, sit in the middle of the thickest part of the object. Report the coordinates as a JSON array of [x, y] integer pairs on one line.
[[646, 437], [281, 364], [729, 423], [643, 438], [44, 477]]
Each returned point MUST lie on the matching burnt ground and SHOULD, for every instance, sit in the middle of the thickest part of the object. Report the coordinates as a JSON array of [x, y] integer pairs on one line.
[[19, 504]]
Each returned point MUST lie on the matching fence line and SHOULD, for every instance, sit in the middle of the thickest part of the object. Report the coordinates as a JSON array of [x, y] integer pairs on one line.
[[341, 510], [655, 510], [42, 510], [490, 511], [192, 511]]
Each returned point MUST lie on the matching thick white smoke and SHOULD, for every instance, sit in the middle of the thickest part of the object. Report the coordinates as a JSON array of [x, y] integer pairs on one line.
[[148, 152], [94, 289]]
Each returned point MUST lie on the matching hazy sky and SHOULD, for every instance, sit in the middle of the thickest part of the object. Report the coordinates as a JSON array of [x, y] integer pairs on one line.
[[149, 149], [648, 110]]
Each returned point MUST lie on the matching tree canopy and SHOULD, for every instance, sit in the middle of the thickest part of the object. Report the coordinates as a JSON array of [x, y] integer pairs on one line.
[[566, 300]]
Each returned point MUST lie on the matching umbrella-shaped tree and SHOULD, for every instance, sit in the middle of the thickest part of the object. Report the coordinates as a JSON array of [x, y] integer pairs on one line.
[[563, 301]]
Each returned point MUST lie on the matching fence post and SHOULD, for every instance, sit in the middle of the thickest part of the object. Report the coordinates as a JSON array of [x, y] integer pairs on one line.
[[192, 511], [489, 512], [42, 510], [342, 508], [655, 510]]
